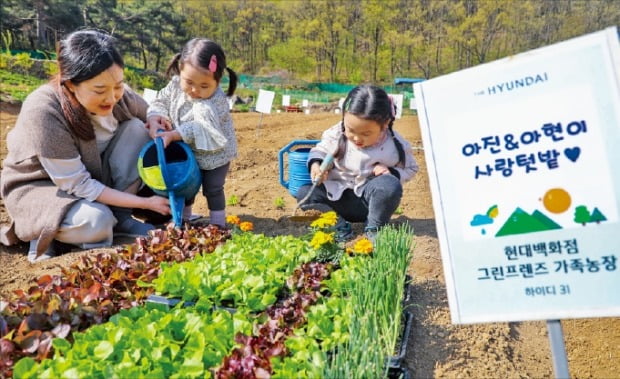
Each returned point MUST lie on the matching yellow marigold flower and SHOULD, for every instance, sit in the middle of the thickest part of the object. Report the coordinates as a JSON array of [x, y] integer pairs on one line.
[[232, 219], [319, 223], [331, 216], [321, 238], [246, 226], [363, 246], [327, 219]]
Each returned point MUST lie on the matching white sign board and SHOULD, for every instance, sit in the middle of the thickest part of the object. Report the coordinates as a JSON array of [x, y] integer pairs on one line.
[[523, 156], [304, 103], [149, 95], [412, 104], [286, 100], [398, 101], [264, 101]]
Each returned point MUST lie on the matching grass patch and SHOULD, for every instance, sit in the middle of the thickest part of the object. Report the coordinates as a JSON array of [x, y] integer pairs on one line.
[[17, 86]]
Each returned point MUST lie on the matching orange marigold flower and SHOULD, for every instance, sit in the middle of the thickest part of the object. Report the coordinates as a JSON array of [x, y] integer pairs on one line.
[[232, 219], [246, 226]]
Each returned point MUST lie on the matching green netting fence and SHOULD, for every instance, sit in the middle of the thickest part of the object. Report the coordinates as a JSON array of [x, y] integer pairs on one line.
[[314, 92]]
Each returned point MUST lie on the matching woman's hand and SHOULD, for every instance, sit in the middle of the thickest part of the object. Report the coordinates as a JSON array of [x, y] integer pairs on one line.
[[122, 199], [158, 204], [380, 169]]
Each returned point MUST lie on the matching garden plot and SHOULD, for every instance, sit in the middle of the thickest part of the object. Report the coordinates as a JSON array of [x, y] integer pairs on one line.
[[334, 311]]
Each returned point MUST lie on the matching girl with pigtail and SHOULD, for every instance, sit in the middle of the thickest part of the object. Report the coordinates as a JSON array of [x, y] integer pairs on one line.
[[371, 163], [193, 108]]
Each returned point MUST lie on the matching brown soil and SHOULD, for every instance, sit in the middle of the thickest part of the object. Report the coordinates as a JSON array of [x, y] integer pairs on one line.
[[436, 347]]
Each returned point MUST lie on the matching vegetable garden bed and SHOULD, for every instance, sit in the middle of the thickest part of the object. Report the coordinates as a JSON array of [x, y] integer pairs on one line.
[[297, 308]]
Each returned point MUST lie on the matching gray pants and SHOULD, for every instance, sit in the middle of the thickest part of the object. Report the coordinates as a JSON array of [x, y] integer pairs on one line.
[[213, 187], [379, 200], [90, 224]]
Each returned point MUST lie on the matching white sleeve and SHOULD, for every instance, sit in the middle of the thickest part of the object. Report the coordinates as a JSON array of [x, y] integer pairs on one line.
[[70, 175], [411, 166], [160, 106], [328, 143], [204, 132]]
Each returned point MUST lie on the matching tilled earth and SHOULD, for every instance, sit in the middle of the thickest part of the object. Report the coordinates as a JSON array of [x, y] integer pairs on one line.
[[436, 347]]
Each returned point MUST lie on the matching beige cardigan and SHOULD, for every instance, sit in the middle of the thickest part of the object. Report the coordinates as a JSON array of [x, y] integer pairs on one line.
[[353, 170], [35, 204]]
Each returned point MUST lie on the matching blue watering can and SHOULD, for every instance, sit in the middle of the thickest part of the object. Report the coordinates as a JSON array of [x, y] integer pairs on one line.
[[298, 174], [171, 172]]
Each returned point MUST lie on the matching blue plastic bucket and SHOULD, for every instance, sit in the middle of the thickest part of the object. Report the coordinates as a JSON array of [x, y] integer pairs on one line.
[[171, 172], [297, 175]]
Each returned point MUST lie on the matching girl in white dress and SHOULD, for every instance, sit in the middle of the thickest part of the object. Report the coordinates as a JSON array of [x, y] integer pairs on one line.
[[193, 108]]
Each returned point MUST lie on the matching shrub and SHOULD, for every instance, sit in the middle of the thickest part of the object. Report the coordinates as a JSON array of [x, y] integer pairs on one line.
[[17, 86], [139, 80], [21, 63], [50, 68]]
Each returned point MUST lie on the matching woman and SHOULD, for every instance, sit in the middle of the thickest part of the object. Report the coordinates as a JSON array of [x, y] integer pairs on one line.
[[71, 170]]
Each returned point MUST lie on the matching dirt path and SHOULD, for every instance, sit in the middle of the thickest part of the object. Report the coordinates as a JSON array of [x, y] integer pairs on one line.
[[437, 348]]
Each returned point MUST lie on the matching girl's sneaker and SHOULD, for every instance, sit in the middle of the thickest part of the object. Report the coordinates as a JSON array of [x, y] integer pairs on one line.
[[343, 232], [188, 216], [371, 233], [132, 228], [194, 217]]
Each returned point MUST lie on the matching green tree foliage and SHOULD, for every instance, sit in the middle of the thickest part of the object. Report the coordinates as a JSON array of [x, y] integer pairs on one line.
[[319, 40], [150, 31], [286, 54], [320, 31]]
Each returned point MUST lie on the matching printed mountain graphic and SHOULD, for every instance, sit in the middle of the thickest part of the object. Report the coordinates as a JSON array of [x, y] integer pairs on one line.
[[521, 222]]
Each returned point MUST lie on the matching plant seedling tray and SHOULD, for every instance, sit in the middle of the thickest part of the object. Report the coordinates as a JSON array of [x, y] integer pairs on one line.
[[396, 360], [164, 303], [407, 290], [398, 373]]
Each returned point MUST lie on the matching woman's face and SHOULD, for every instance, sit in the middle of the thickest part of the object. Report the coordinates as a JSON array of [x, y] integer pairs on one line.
[[362, 132], [100, 93], [196, 83]]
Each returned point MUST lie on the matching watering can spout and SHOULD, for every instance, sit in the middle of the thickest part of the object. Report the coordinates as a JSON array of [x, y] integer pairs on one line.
[[177, 203], [170, 172]]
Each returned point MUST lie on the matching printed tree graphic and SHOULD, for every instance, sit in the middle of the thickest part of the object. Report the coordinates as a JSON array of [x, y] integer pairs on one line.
[[582, 215], [597, 216]]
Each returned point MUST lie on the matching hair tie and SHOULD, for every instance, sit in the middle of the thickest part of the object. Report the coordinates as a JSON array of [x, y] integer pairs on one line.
[[213, 63], [392, 110]]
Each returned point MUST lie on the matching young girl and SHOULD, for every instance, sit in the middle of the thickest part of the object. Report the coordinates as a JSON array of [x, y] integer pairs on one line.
[[194, 109], [371, 161]]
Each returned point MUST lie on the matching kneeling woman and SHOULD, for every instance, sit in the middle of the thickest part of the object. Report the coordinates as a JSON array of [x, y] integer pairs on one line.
[[71, 170]]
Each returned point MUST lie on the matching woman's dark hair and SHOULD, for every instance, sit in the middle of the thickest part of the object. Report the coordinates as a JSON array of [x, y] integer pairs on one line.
[[370, 103], [82, 55], [199, 52]]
